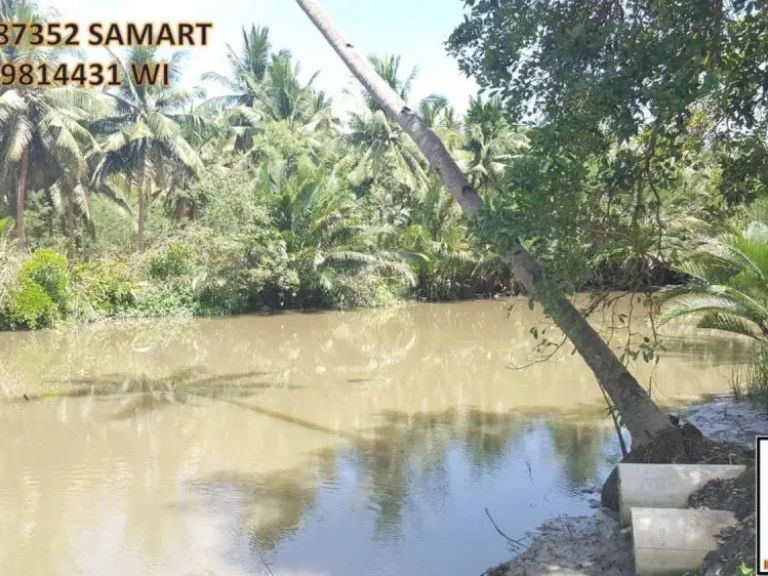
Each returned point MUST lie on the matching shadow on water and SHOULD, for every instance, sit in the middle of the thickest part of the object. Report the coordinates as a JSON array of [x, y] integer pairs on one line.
[[409, 466], [341, 443], [144, 393], [707, 350]]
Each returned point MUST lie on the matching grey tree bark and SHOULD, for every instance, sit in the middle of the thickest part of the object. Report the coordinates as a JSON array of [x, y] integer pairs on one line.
[[641, 416]]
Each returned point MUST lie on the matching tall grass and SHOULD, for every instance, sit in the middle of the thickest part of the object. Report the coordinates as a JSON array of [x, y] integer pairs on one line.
[[750, 381]]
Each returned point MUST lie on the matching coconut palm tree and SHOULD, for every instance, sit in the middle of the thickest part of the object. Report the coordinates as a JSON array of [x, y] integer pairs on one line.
[[388, 67], [439, 115], [143, 137], [383, 151], [324, 233], [490, 142], [728, 290], [248, 68], [264, 86], [285, 97], [44, 144], [431, 109], [44, 141], [384, 157], [436, 231]]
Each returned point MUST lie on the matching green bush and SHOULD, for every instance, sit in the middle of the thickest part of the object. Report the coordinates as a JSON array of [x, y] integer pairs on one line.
[[361, 291], [48, 269], [230, 203], [751, 380], [29, 306], [220, 299], [166, 299], [39, 294], [102, 290], [175, 261]]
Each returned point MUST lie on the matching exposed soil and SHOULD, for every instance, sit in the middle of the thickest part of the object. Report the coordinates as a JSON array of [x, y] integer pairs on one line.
[[573, 546], [739, 422], [737, 544], [737, 495], [588, 546]]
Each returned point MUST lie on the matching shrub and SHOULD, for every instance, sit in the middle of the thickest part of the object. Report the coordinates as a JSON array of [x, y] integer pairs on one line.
[[48, 269], [175, 261], [29, 306], [757, 377], [101, 290], [9, 261], [42, 223], [230, 202], [362, 291], [220, 298], [161, 300]]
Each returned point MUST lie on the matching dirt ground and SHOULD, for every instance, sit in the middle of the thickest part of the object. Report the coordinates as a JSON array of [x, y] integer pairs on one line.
[[592, 546], [573, 546], [737, 544]]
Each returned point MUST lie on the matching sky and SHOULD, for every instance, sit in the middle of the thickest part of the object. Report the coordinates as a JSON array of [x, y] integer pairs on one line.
[[414, 29]]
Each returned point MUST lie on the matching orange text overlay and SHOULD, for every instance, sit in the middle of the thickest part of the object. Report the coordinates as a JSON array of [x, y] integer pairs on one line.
[[83, 75], [109, 34]]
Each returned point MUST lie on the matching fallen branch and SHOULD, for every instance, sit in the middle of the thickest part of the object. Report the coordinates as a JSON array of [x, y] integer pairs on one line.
[[517, 544]]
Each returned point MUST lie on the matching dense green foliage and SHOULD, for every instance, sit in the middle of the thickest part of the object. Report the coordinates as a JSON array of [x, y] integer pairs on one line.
[[40, 294], [261, 199], [728, 289], [613, 132], [642, 115]]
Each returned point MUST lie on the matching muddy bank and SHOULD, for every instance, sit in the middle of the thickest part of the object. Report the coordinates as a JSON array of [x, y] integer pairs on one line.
[[593, 545], [728, 420], [574, 546]]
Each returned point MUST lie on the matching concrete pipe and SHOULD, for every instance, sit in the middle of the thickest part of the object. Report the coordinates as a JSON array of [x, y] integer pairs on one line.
[[665, 485], [670, 542]]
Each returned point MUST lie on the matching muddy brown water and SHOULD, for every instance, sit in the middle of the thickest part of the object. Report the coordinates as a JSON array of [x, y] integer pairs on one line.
[[356, 443]]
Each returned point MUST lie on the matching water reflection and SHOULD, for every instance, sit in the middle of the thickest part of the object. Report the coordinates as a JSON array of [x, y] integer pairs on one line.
[[343, 443], [416, 469]]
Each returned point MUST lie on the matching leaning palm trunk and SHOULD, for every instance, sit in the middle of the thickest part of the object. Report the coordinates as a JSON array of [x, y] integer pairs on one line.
[[640, 415], [21, 192]]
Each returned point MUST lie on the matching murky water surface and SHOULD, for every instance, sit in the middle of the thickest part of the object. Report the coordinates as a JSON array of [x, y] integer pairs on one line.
[[358, 443]]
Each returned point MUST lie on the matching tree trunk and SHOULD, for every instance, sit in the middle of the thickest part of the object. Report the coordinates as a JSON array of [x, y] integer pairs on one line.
[[71, 246], [142, 207], [639, 413], [185, 210], [21, 192]]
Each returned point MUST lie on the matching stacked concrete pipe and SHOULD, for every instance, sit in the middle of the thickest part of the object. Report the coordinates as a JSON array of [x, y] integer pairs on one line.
[[668, 538]]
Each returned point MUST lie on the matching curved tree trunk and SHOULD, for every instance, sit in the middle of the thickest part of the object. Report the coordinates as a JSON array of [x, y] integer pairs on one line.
[[641, 416], [21, 193]]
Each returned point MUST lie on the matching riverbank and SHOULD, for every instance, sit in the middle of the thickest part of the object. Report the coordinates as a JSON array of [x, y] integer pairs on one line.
[[594, 546]]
